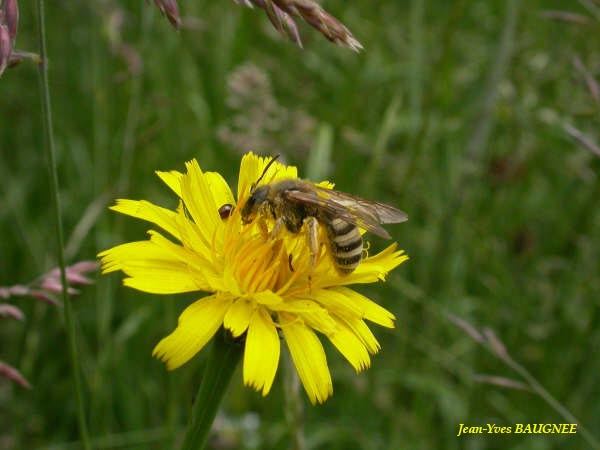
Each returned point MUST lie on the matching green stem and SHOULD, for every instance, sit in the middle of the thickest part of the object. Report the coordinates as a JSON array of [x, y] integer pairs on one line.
[[220, 367], [294, 406], [51, 161]]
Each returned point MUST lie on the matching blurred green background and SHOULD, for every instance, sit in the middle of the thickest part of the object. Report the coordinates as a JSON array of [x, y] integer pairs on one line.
[[456, 111]]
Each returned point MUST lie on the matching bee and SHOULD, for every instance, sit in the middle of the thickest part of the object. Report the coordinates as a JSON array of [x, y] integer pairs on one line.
[[296, 203]]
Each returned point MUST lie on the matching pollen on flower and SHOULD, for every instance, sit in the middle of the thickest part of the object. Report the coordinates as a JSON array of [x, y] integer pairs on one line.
[[259, 287]]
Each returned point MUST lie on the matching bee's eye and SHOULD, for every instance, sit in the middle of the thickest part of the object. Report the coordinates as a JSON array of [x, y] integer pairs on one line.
[[251, 202]]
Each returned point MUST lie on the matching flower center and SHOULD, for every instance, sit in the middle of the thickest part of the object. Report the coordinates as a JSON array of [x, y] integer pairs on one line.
[[254, 262]]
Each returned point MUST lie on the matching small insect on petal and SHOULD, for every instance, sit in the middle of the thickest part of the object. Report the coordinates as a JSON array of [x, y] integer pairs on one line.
[[225, 211], [11, 16], [5, 47]]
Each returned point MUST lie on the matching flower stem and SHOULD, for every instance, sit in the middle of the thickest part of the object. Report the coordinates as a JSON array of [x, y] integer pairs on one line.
[[220, 367], [294, 407], [51, 161]]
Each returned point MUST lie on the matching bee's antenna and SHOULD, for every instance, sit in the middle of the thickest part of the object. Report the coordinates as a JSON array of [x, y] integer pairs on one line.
[[273, 159]]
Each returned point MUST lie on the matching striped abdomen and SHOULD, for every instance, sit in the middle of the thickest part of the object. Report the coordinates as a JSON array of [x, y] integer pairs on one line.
[[346, 245]]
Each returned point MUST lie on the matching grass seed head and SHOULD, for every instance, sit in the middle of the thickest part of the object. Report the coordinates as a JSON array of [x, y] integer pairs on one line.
[[12, 374], [11, 312], [281, 13], [10, 9], [171, 11], [5, 46], [318, 18]]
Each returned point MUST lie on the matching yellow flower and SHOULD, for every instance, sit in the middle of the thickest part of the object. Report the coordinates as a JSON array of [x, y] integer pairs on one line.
[[261, 288]]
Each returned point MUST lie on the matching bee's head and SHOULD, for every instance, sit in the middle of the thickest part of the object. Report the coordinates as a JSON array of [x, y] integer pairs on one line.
[[258, 195], [251, 208]]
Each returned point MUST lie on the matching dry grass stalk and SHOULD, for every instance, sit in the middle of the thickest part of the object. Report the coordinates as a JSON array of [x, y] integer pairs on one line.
[[508, 383], [590, 82], [467, 328], [488, 339], [582, 139], [566, 16], [282, 12]]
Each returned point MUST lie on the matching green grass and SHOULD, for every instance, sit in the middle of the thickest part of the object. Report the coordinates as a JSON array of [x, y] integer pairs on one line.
[[454, 112]]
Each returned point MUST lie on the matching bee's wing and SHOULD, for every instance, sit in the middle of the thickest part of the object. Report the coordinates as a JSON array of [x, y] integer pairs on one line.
[[381, 212], [357, 211]]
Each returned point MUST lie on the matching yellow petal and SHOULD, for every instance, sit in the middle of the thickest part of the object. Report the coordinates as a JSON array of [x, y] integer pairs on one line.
[[267, 298], [310, 312], [198, 199], [261, 354], [362, 331], [219, 189], [350, 346], [203, 270], [238, 316], [337, 302], [180, 252], [309, 358], [326, 184], [142, 209], [197, 325], [114, 258], [171, 179], [151, 268], [192, 238], [252, 167], [249, 173], [160, 281], [369, 309]]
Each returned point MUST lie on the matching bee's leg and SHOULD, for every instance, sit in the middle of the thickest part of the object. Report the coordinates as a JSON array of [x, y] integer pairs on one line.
[[312, 237], [274, 234], [264, 229]]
